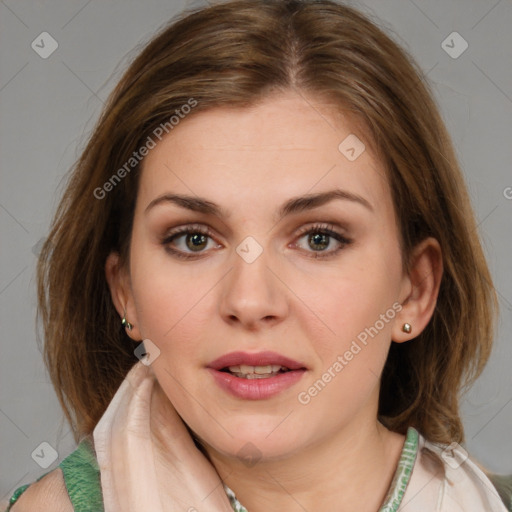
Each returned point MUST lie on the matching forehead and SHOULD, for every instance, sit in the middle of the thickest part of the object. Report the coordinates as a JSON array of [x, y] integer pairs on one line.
[[286, 146]]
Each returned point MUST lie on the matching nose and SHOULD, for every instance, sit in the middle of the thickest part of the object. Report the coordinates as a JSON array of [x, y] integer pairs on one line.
[[253, 294]]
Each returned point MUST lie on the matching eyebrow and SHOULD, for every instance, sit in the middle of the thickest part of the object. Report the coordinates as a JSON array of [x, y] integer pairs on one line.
[[292, 206]]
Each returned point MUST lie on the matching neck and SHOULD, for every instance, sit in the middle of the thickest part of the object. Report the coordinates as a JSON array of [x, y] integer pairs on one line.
[[351, 469]]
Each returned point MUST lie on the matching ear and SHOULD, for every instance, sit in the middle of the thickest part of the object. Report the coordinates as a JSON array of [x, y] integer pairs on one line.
[[120, 289], [419, 290]]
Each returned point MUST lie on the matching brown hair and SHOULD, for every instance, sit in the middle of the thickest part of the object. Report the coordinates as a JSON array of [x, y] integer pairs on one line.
[[234, 54]]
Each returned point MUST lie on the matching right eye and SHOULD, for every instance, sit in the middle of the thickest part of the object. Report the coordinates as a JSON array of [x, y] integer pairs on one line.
[[195, 237]]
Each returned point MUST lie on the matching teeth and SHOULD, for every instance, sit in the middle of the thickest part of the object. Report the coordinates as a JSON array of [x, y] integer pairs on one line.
[[256, 372], [243, 368]]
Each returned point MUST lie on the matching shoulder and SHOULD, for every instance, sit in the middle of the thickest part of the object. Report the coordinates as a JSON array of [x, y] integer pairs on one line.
[[503, 484], [75, 484], [456, 480], [48, 494]]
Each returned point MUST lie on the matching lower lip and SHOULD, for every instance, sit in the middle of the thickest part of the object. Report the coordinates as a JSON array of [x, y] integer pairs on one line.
[[256, 389]]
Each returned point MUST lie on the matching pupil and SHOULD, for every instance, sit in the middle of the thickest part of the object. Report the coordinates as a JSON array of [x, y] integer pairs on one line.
[[197, 240], [320, 239]]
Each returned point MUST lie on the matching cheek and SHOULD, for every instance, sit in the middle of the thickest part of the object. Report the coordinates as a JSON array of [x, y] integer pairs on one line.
[[169, 298], [353, 303], [352, 359], [362, 309]]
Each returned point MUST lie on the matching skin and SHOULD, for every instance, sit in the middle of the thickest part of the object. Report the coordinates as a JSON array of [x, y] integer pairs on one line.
[[331, 453]]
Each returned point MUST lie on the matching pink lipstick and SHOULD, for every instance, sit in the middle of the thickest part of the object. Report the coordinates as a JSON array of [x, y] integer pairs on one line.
[[255, 376]]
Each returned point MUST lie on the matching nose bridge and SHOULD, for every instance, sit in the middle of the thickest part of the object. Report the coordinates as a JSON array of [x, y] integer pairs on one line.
[[252, 293]]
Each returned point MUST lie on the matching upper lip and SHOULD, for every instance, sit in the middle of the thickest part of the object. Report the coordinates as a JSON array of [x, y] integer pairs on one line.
[[254, 359]]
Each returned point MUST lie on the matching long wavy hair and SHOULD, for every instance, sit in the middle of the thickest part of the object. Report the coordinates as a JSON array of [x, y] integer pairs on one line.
[[234, 54]]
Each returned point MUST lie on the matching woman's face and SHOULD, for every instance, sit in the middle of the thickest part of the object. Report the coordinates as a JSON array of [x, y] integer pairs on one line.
[[258, 273]]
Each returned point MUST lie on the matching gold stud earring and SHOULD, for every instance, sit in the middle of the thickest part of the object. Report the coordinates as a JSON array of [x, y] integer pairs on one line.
[[125, 322], [406, 327]]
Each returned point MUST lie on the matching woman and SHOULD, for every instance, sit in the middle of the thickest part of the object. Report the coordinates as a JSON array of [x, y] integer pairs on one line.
[[271, 204]]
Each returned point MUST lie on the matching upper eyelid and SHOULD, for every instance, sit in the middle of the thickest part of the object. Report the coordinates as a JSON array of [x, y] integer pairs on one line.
[[207, 229]]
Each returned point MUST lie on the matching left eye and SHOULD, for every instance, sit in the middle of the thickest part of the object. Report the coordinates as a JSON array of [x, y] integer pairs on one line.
[[320, 236]]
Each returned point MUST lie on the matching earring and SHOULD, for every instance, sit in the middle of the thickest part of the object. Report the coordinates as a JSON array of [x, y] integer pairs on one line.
[[125, 322], [406, 327]]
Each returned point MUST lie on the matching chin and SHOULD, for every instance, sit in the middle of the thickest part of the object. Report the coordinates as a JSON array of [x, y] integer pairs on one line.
[[249, 444]]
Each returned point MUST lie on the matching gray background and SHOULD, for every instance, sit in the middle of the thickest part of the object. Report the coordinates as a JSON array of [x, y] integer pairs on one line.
[[48, 108]]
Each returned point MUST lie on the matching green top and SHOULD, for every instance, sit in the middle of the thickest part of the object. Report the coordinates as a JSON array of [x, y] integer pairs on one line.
[[82, 478]]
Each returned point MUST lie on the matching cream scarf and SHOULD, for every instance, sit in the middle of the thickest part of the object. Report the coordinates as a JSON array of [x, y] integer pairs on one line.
[[133, 479]]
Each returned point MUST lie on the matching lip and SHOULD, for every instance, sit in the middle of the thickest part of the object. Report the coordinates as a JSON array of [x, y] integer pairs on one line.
[[256, 359], [255, 389]]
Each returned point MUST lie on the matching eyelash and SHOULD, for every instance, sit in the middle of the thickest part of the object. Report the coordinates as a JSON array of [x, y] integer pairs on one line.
[[324, 229]]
